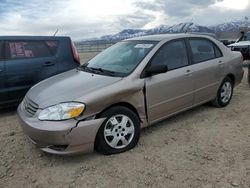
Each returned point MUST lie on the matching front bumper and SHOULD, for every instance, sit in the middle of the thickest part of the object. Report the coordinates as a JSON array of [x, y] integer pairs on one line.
[[60, 137]]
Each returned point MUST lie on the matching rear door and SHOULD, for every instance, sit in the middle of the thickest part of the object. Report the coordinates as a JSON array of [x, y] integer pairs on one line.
[[208, 66], [2, 67], [27, 63]]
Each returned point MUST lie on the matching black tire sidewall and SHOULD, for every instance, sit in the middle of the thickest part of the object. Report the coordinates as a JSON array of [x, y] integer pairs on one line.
[[100, 142], [219, 101]]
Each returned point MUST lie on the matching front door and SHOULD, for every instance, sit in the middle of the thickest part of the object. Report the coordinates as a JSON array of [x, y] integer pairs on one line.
[[170, 92]]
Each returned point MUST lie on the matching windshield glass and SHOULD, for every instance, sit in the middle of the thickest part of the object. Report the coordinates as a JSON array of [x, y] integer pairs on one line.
[[120, 59], [246, 37]]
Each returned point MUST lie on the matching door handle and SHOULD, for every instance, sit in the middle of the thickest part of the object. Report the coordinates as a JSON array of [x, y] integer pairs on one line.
[[47, 64], [188, 73], [220, 62]]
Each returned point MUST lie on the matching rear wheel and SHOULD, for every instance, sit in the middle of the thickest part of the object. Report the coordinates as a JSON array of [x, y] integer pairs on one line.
[[119, 132], [224, 94]]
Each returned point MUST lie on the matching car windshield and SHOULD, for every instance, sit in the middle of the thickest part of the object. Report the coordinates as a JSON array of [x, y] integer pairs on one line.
[[120, 59], [246, 37]]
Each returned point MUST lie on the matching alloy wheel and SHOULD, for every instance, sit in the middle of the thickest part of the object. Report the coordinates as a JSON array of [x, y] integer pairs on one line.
[[226, 92], [119, 131]]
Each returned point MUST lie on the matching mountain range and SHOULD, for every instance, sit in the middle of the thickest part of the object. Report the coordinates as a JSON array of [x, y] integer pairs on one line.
[[233, 26]]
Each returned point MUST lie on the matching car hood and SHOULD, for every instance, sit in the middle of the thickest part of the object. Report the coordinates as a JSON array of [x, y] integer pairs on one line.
[[240, 44], [67, 87]]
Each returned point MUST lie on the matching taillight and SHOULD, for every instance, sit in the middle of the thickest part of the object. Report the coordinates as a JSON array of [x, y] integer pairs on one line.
[[75, 53]]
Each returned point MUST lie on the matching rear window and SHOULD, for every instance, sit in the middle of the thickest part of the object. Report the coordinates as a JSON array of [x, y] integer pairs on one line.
[[31, 49]]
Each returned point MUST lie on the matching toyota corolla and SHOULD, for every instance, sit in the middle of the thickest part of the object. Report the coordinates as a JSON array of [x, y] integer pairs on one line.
[[103, 104]]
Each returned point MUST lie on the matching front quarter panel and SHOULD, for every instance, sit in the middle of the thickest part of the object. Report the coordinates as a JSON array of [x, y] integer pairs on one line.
[[128, 90]]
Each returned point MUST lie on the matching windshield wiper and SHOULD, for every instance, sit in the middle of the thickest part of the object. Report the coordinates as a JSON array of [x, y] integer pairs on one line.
[[111, 73], [97, 70]]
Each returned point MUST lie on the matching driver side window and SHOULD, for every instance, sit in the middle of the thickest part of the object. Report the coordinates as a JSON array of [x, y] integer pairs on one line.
[[173, 54]]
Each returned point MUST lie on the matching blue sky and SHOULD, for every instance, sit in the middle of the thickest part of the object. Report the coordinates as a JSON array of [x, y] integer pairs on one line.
[[83, 19]]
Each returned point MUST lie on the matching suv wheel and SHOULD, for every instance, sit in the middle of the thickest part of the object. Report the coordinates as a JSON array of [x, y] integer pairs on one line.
[[224, 93], [119, 132]]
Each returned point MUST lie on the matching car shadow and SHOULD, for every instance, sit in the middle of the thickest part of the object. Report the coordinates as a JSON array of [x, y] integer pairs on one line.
[[8, 110]]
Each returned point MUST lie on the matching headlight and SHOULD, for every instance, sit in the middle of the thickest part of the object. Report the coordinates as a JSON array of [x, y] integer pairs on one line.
[[62, 111]]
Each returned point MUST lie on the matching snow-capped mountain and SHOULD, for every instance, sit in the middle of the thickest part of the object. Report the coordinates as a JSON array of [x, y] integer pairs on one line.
[[179, 28], [233, 26], [126, 33]]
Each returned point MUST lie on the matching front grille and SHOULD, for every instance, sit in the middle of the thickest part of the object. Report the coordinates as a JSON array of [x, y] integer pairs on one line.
[[29, 106], [242, 50], [237, 49]]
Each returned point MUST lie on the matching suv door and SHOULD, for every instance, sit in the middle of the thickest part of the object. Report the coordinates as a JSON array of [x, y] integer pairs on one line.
[[170, 92], [27, 63], [2, 67], [208, 67]]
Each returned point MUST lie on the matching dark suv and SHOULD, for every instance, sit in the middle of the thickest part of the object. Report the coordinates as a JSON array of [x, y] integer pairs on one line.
[[248, 74], [26, 60]]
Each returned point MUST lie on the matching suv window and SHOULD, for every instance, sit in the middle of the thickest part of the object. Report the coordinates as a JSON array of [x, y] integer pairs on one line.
[[31, 49], [203, 50], [52, 45], [245, 37], [1, 51], [173, 54]]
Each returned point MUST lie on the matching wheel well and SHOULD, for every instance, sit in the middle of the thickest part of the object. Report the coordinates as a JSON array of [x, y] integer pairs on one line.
[[231, 76], [124, 104]]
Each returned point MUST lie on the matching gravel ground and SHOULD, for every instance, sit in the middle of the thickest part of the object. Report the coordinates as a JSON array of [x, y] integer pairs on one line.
[[201, 148]]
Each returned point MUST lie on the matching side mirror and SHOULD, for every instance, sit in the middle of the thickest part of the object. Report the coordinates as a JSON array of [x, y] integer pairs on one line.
[[156, 69]]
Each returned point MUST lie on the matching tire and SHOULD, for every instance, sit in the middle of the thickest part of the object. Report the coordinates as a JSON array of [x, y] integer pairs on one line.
[[115, 136], [226, 87]]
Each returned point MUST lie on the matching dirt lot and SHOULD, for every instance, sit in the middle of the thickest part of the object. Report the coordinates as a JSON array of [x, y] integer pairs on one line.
[[202, 148]]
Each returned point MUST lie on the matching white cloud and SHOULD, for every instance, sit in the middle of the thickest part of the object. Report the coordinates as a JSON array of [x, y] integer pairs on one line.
[[93, 18]]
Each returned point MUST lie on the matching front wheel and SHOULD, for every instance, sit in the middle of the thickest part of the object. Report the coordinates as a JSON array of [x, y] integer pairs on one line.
[[119, 132], [224, 93]]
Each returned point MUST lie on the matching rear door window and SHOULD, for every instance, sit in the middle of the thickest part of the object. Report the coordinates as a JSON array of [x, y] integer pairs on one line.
[[31, 49], [202, 50]]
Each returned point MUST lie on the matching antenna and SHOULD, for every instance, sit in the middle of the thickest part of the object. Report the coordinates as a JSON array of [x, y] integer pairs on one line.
[[187, 29], [56, 32]]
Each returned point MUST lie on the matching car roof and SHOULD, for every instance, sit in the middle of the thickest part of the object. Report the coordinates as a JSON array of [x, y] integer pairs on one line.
[[31, 37], [161, 37]]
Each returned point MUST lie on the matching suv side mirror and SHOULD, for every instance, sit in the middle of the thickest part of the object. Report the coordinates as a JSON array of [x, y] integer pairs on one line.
[[156, 69]]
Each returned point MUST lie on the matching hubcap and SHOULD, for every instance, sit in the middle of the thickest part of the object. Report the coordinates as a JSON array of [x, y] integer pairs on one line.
[[226, 92], [119, 131]]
